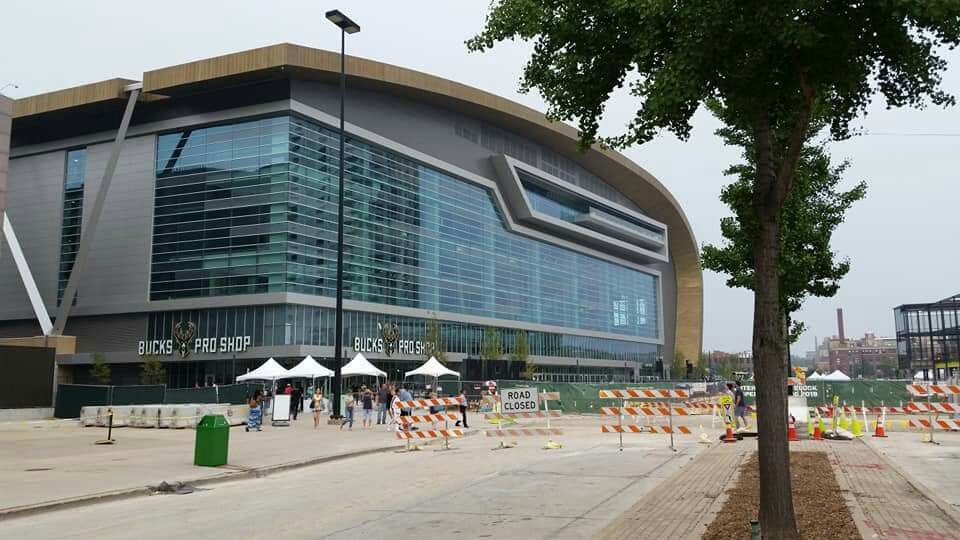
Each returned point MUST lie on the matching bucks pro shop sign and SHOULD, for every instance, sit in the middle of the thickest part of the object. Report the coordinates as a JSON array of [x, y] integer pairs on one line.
[[514, 400]]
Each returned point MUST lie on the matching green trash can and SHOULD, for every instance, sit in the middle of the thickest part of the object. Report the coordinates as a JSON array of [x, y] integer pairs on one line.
[[213, 441]]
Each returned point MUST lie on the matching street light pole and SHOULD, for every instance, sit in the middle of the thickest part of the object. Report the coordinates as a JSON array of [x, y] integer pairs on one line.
[[347, 26]]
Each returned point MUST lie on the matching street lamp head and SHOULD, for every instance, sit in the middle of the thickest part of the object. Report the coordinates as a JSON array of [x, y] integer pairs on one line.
[[344, 22]]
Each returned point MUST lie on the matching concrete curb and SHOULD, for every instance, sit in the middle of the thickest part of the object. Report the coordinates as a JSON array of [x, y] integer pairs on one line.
[[943, 505], [128, 493]]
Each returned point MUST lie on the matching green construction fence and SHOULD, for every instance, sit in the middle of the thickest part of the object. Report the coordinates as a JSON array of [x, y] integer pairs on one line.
[[584, 398]]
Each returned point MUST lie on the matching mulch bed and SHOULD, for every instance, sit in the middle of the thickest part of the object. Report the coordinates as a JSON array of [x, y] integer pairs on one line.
[[818, 503]]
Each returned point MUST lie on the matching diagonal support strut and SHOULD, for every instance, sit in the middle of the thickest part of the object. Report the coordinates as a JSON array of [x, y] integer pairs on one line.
[[89, 230]]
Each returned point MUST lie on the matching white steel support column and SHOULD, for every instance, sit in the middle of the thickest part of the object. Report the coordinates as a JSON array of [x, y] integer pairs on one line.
[[89, 230], [28, 283]]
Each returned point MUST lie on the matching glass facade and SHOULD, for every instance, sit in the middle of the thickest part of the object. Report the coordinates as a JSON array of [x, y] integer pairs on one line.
[[291, 324], [73, 181], [250, 207], [928, 336]]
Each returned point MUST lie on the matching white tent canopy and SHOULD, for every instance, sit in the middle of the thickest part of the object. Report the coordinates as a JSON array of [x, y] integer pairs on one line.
[[309, 368], [835, 376], [269, 371], [815, 376], [361, 366], [433, 368]]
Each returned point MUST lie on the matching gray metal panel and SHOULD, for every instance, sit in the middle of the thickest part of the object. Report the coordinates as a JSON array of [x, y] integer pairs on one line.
[[118, 269], [108, 332], [6, 115], [668, 313], [438, 132], [35, 206]]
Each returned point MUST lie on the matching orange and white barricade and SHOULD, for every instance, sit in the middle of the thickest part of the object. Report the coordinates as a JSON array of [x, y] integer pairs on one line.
[[663, 409], [927, 390], [934, 409], [405, 422], [938, 424]]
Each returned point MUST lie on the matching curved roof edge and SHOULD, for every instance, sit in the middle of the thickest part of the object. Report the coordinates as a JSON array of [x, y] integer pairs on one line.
[[286, 60]]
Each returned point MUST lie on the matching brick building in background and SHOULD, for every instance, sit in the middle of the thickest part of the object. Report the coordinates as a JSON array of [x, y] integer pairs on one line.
[[866, 357]]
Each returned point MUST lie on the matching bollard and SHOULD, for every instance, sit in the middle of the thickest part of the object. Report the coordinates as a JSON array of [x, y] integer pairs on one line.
[[109, 439], [755, 530]]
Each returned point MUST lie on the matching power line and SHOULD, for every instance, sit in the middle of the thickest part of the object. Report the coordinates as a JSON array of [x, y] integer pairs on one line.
[[907, 134]]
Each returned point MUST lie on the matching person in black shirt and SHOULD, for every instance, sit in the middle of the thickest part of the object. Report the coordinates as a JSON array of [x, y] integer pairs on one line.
[[367, 400], [383, 403]]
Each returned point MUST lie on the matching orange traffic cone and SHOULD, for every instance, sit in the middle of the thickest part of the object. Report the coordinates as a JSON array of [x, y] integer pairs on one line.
[[817, 434], [792, 431], [729, 437], [880, 431]]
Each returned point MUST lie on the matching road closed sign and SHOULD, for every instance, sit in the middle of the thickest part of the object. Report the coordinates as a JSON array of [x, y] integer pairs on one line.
[[514, 400]]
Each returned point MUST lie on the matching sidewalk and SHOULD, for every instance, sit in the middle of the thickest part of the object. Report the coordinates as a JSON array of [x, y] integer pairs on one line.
[[883, 501], [682, 506], [891, 504], [50, 464]]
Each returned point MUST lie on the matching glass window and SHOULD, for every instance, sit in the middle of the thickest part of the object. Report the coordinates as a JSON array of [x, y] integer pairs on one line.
[[251, 207], [74, 178]]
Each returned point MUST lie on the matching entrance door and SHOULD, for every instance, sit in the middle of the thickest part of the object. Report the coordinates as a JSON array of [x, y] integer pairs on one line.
[[209, 379]]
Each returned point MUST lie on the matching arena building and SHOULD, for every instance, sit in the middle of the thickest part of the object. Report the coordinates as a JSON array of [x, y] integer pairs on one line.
[[215, 246]]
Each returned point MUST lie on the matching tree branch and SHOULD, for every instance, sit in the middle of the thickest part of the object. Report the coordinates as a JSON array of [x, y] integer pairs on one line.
[[797, 137]]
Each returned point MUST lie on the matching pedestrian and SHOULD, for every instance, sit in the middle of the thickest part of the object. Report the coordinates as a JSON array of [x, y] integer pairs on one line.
[[296, 397], [405, 396], [348, 412], [255, 416], [383, 403], [463, 408], [435, 409], [288, 390], [367, 400], [395, 411], [316, 405], [740, 402]]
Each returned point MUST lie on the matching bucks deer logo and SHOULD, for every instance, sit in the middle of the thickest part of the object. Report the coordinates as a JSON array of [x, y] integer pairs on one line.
[[183, 334], [390, 333]]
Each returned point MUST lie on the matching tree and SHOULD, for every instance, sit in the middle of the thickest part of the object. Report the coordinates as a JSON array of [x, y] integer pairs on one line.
[[100, 370], [769, 65], [811, 213], [521, 352], [152, 371], [529, 372], [491, 349], [700, 368], [678, 368], [434, 341]]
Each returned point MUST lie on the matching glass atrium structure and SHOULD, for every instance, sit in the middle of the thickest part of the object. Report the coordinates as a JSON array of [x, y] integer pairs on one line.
[[928, 336]]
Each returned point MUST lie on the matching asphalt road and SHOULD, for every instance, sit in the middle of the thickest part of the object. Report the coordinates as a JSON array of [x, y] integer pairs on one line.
[[468, 492]]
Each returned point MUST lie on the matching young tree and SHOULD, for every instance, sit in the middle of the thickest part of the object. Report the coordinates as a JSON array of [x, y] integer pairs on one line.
[[100, 370], [770, 65], [678, 368], [811, 213], [152, 371], [491, 348], [700, 368], [434, 341], [529, 372], [520, 353]]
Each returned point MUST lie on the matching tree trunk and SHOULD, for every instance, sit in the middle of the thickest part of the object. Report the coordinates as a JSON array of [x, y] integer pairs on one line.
[[777, 519]]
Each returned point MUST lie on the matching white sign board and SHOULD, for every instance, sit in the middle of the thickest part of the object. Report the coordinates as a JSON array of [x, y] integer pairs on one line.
[[514, 400], [281, 408]]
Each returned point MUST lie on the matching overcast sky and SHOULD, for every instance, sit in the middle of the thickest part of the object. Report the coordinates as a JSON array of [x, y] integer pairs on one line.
[[901, 239]]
